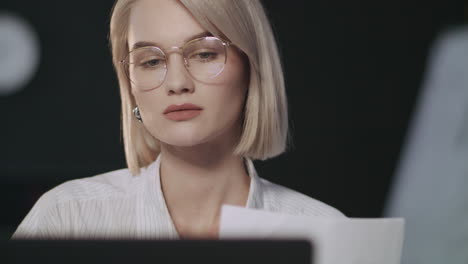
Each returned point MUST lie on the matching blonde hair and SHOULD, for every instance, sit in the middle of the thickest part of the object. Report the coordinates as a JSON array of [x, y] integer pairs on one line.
[[244, 23]]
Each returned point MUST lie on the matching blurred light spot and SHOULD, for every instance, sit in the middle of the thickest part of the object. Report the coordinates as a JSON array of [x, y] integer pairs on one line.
[[19, 53]]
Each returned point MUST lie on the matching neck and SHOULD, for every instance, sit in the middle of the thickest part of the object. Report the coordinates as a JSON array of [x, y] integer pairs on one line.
[[197, 181]]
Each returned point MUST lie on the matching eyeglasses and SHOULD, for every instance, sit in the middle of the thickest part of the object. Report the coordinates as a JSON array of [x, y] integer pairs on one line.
[[204, 59]]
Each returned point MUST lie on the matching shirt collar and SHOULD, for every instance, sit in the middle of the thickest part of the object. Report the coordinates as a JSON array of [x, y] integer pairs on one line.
[[255, 198]]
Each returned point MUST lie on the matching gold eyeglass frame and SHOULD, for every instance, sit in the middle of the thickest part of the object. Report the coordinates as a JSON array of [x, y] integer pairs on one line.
[[177, 49]]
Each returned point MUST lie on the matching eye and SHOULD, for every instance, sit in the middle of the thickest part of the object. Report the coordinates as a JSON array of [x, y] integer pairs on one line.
[[207, 55], [204, 56], [153, 63]]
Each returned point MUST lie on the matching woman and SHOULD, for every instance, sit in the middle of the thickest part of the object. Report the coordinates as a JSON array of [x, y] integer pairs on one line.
[[202, 95]]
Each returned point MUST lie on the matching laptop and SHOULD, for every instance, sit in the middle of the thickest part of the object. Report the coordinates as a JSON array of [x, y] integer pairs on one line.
[[156, 251]]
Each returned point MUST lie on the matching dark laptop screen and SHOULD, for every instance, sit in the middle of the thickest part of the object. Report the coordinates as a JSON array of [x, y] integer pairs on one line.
[[159, 251]]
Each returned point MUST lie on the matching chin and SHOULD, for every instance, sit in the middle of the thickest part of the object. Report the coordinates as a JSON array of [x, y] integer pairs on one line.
[[184, 143], [191, 135], [185, 138]]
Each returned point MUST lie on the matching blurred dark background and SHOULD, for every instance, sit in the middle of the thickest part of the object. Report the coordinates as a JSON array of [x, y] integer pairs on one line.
[[353, 70]]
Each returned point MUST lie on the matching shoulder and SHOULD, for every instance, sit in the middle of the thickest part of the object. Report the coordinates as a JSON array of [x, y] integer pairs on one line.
[[107, 185], [63, 204], [285, 200]]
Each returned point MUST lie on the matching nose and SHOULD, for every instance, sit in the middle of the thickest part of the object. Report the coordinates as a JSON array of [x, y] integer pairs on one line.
[[178, 80]]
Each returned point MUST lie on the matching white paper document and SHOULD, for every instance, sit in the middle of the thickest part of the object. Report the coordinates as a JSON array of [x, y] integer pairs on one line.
[[335, 240]]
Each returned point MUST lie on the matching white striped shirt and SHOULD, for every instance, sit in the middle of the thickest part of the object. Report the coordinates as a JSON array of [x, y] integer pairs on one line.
[[118, 205]]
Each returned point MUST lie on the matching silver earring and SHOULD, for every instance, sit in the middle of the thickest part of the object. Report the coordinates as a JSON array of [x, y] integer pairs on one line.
[[136, 113]]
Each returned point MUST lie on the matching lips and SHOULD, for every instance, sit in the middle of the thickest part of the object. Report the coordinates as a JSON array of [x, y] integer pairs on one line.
[[182, 112], [182, 107]]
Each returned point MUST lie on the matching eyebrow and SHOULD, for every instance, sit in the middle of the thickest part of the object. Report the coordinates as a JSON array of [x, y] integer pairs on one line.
[[141, 44]]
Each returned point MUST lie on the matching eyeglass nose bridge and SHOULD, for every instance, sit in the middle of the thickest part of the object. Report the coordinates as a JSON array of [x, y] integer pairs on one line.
[[175, 49], [167, 52]]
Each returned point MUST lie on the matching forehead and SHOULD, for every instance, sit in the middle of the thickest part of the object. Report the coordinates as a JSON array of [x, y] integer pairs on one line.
[[166, 22]]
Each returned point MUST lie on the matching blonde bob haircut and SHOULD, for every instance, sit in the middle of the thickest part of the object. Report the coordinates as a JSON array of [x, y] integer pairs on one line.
[[245, 24]]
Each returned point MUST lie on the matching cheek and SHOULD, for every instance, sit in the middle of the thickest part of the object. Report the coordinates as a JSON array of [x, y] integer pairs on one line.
[[231, 91], [235, 77], [151, 108]]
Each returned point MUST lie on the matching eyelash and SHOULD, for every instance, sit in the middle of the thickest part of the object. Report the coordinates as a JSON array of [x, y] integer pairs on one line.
[[198, 56], [212, 55], [146, 64]]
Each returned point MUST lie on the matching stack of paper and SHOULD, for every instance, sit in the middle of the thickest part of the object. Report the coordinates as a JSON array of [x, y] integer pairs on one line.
[[335, 240]]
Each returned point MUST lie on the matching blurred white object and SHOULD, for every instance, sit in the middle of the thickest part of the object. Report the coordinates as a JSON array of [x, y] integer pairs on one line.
[[19, 53], [431, 182], [335, 240]]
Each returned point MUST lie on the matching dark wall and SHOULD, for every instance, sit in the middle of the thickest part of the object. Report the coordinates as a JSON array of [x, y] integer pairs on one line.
[[366, 66], [353, 69]]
